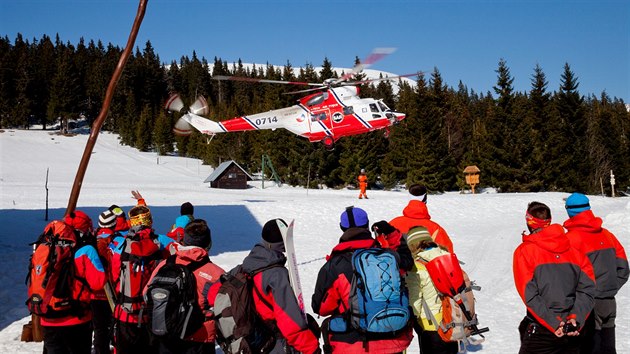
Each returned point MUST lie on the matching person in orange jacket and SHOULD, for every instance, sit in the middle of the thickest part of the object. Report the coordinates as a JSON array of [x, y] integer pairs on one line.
[[610, 263], [556, 283], [417, 214], [363, 182]]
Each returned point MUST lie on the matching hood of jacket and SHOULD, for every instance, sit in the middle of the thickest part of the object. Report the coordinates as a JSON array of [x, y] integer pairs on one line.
[[182, 221], [585, 221], [416, 209], [261, 257], [430, 253], [190, 254], [552, 238], [353, 239]]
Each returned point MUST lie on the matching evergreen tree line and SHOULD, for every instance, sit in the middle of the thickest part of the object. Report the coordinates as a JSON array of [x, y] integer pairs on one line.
[[539, 140]]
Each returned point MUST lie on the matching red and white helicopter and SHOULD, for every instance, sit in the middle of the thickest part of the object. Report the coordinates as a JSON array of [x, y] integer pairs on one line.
[[335, 111]]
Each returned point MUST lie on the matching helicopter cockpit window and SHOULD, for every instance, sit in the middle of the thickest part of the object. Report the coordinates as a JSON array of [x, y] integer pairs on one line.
[[383, 107], [348, 110], [318, 117], [317, 99], [374, 108]]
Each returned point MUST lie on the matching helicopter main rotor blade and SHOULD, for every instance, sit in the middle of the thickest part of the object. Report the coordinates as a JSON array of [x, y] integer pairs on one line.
[[381, 79], [268, 81], [306, 90], [376, 55]]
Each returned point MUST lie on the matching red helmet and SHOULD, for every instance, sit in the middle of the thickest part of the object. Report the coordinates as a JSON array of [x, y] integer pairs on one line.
[[79, 221]]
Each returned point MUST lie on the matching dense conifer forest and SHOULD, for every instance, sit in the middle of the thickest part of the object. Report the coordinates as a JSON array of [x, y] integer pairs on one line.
[[545, 139]]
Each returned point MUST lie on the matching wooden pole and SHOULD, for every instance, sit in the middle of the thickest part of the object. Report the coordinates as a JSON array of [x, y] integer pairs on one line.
[[109, 94]]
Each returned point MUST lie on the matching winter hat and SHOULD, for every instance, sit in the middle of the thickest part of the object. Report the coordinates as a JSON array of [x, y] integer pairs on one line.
[[418, 191], [273, 230], [186, 209], [577, 203], [197, 233], [415, 236], [117, 210], [107, 219], [537, 216], [140, 215], [354, 217], [79, 221]]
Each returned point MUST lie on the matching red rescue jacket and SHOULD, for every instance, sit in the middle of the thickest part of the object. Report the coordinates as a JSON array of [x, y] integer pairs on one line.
[[417, 214]]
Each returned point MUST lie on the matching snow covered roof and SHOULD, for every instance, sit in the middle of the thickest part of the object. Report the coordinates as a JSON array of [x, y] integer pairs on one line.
[[222, 168]]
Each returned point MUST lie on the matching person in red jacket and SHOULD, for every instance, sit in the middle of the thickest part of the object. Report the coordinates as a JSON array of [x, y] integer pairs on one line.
[[278, 304], [556, 283], [73, 334], [608, 257], [417, 214], [363, 182], [332, 291], [194, 249]]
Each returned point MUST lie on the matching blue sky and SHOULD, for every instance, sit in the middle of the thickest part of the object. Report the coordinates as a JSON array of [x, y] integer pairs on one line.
[[464, 39]]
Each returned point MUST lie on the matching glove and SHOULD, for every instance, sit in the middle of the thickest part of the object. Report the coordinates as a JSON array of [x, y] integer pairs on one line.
[[383, 228]]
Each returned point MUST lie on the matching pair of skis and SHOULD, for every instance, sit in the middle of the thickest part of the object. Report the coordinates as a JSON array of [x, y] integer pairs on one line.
[[294, 277]]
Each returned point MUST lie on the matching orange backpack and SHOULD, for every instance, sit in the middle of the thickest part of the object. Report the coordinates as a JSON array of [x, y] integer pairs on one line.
[[51, 276]]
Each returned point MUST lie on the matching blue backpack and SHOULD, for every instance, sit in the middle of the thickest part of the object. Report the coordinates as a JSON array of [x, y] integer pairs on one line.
[[378, 300]]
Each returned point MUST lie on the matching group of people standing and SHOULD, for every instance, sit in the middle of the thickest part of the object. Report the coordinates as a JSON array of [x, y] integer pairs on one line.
[[567, 280]]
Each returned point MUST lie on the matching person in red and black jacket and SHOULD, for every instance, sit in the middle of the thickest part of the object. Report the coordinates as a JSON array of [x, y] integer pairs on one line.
[[610, 263], [332, 291], [73, 334], [557, 284], [194, 249], [279, 305]]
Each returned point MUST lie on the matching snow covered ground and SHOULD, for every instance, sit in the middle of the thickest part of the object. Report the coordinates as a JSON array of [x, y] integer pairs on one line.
[[485, 228]]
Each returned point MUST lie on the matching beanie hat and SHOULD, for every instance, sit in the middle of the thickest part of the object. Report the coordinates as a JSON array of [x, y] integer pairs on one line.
[[577, 203], [353, 217], [418, 191], [417, 235], [117, 210], [79, 221], [186, 209], [140, 215], [537, 216], [273, 230], [107, 219], [197, 233]]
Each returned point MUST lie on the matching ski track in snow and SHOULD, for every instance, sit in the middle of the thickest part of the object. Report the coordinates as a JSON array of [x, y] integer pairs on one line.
[[485, 228]]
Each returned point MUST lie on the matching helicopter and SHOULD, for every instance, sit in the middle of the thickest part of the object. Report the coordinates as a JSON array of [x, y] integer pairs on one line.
[[335, 109]]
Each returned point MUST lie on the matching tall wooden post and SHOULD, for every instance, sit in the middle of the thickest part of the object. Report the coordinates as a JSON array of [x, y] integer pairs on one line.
[[109, 94]]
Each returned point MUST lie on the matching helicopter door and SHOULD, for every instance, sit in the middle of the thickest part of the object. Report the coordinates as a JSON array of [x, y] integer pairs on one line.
[[320, 122]]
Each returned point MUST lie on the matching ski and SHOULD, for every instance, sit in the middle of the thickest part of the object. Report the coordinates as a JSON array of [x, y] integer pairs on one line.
[[294, 277]]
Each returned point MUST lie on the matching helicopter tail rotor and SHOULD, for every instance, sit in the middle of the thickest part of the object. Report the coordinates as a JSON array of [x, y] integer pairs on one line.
[[174, 103], [182, 128], [200, 107]]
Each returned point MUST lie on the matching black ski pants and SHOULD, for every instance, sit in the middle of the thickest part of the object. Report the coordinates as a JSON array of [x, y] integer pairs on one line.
[[75, 339], [102, 321], [537, 339], [129, 338]]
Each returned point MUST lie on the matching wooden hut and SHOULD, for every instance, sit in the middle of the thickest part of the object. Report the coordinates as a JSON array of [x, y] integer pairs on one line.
[[229, 175]]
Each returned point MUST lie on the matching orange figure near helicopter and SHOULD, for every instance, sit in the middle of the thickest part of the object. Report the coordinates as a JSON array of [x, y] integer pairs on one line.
[[334, 111]]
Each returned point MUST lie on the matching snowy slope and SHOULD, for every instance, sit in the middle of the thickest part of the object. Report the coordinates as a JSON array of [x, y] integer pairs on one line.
[[485, 228]]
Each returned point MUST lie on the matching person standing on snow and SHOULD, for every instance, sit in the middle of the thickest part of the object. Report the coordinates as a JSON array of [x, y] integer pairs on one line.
[[73, 333], [274, 298], [608, 257], [363, 182], [417, 214], [332, 292], [556, 283], [186, 211], [194, 250]]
